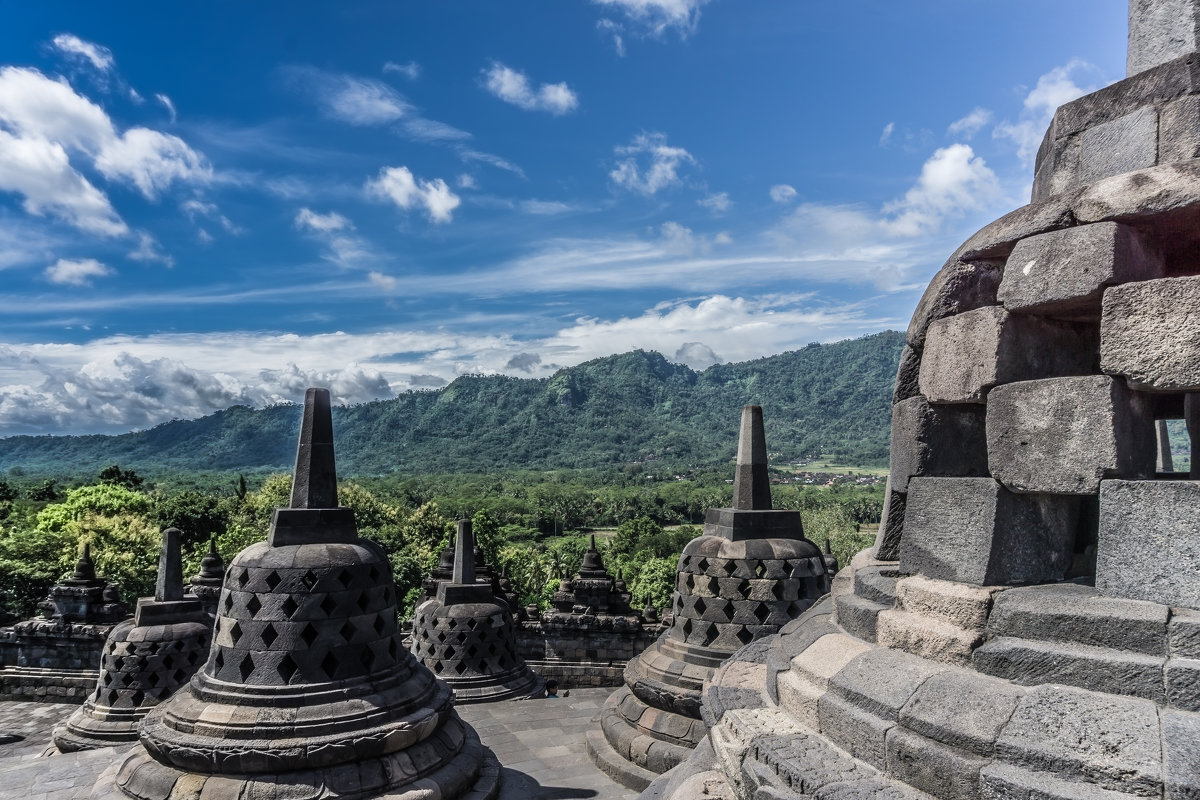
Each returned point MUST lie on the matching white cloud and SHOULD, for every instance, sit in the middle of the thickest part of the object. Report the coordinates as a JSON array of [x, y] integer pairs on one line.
[[616, 30], [385, 282], [696, 355], [149, 250], [954, 180], [717, 203], [513, 86], [971, 124], [1056, 87], [655, 17], [398, 185], [168, 105], [886, 136], [470, 156], [545, 208], [151, 161], [428, 130], [196, 208], [358, 101], [466, 181], [76, 272], [662, 170], [411, 70], [782, 193], [71, 45], [307, 219]]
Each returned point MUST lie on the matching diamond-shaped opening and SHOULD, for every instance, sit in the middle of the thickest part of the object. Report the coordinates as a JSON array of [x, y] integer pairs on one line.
[[112, 697], [228, 602], [451, 623], [760, 569], [441, 636], [329, 664], [687, 628], [744, 635], [287, 668], [761, 612], [269, 635], [243, 578], [744, 588], [348, 630], [491, 649], [502, 662], [273, 580], [700, 606], [367, 659], [472, 622], [379, 624], [179, 676], [246, 666], [777, 589], [137, 697], [328, 604], [168, 660], [219, 661], [153, 678], [289, 606], [254, 605], [472, 651], [392, 649], [346, 578], [714, 587], [118, 663], [460, 668], [450, 651], [710, 635], [373, 574], [106, 679], [364, 600], [702, 565], [437, 667], [309, 634], [235, 632], [152, 647], [193, 657], [310, 579]]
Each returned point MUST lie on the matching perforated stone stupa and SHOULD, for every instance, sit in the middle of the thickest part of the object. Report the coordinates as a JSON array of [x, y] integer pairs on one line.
[[206, 584], [749, 573], [307, 691], [146, 659], [1027, 625], [466, 635]]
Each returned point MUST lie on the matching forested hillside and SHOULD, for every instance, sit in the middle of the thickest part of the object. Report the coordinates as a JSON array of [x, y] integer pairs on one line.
[[824, 399]]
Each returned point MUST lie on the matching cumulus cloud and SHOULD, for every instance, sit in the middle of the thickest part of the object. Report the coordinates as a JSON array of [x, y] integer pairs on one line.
[[782, 193], [971, 124], [72, 46], [76, 272], [44, 123], [954, 180], [1058, 86], [656, 17], [696, 355], [717, 203], [411, 70], [513, 86], [398, 185], [525, 362], [649, 165], [381, 281], [307, 219]]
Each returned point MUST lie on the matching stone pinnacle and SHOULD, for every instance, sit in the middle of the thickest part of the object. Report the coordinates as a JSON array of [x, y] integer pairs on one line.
[[592, 546], [170, 567], [464, 554], [314, 483], [85, 569], [751, 486]]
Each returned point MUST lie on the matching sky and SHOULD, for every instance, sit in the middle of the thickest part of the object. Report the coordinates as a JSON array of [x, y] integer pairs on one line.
[[221, 203]]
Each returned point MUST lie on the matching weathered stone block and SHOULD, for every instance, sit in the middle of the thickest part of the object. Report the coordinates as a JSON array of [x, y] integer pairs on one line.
[[973, 530], [958, 287], [942, 771], [962, 709], [881, 681], [907, 374], [1100, 669], [967, 354], [1150, 333], [1183, 633], [936, 440], [1182, 677], [962, 606], [1159, 31], [1081, 735], [858, 732], [1149, 541], [891, 525], [1181, 755], [1064, 435], [1065, 272], [1068, 612], [1179, 130], [1123, 145], [926, 637]]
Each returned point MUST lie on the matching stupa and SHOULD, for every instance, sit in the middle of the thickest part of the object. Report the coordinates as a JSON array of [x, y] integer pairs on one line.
[[593, 590], [466, 635], [1027, 624], [307, 691], [206, 584], [146, 659], [749, 573]]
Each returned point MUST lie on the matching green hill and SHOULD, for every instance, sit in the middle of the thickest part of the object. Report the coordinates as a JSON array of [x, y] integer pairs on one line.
[[824, 399]]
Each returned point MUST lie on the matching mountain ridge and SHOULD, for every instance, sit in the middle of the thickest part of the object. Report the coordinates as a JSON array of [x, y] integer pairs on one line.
[[822, 399]]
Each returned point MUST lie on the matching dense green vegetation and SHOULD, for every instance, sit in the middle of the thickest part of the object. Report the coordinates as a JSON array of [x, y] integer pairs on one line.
[[636, 407], [532, 525]]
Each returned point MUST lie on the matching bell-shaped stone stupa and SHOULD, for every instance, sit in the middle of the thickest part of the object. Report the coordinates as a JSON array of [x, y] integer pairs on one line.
[[206, 584], [146, 659], [750, 572], [466, 635], [1027, 626], [307, 691]]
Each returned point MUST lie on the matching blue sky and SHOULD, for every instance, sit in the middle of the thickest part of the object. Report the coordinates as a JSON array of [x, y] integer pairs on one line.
[[220, 203]]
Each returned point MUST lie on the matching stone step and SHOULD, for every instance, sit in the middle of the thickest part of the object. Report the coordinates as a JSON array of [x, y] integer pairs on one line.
[[1100, 669], [857, 615], [927, 637], [800, 687], [1005, 780], [607, 760], [1072, 613], [956, 604], [877, 584]]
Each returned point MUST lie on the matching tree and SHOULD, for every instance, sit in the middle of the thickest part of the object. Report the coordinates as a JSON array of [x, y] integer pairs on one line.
[[47, 491], [631, 534], [7, 493], [121, 477], [654, 583], [199, 516]]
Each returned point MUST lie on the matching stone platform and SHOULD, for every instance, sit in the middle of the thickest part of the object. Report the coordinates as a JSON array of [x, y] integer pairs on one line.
[[540, 744]]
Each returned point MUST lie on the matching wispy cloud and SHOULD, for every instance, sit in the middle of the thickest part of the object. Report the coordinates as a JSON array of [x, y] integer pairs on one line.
[[648, 164], [656, 17], [410, 70], [971, 124], [513, 86], [398, 185], [1059, 85], [886, 136], [72, 46], [718, 202], [358, 101], [344, 248], [168, 105]]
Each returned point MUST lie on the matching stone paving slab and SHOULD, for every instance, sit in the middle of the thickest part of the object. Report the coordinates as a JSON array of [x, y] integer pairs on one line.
[[540, 745]]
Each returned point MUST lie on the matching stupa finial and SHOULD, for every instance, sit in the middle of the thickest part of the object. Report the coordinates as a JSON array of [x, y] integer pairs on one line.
[[751, 485], [464, 554], [169, 585], [314, 483], [85, 568]]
